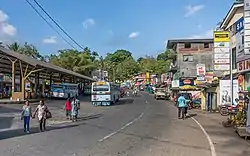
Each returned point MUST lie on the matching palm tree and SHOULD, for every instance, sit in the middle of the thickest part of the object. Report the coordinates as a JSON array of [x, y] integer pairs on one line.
[[14, 46]]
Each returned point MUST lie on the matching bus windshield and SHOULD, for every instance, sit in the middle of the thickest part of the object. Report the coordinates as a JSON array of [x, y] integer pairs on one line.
[[100, 88]]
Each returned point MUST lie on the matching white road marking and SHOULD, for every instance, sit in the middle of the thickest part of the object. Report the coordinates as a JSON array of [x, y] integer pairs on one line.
[[123, 127], [146, 102], [212, 148]]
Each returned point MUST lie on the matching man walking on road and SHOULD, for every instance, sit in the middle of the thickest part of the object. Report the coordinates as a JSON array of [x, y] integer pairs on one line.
[[181, 103]]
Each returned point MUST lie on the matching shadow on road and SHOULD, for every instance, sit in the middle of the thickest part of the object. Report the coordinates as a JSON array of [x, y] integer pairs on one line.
[[89, 117], [124, 101], [19, 132], [6, 122], [4, 109], [191, 115]]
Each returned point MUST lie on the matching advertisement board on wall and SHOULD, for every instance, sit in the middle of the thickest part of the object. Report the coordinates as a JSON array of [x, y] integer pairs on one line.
[[221, 50], [225, 91], [186, 82], [246, 27], [200, 72]]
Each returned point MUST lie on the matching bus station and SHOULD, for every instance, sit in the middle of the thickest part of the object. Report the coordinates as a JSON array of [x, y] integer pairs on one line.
[[23, 77]]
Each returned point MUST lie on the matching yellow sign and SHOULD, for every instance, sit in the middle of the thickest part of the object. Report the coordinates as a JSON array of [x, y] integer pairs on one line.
[[221, 36], [100, 83], [147, 75]]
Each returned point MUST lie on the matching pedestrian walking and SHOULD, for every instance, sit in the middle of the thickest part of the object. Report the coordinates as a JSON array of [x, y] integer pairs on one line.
[[25, 116], [181, 107], [43, 114], [75, 106], [68, 108]]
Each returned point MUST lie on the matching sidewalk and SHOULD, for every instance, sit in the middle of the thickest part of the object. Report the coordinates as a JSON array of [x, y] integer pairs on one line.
[[226, 140], [10, 115]]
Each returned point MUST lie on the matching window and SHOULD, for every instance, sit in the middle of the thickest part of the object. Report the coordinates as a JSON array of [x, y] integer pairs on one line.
[[101, 88], [187, 45], [188, 58], [206, 45]]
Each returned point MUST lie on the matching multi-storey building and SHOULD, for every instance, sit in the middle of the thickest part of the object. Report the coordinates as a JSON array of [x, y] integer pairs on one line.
[[187, 53]]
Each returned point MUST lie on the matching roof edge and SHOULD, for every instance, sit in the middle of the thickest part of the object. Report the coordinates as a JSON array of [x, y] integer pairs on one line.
[[234, 6]]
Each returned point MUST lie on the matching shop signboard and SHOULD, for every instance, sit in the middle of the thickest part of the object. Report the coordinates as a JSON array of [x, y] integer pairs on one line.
[[221, 50], [243, 66], [175, 83], [225, 91], [223, 67], [200, 72], [186, 82], [209, 77]]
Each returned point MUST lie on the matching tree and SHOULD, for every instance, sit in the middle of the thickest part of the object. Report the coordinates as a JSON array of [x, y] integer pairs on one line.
[[26, 49], [80, 62]]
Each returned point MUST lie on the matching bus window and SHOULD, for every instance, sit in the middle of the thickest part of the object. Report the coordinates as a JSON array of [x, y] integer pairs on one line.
[[99, 88]]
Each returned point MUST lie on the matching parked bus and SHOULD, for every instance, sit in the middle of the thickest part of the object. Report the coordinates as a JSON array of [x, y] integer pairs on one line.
[[104, 93], [63, 90]]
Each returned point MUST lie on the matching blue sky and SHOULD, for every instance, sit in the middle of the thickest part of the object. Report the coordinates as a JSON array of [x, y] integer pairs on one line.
[[141, 26]]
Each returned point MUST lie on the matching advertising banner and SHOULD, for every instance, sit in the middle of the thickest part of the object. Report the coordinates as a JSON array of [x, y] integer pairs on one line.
[[225, 91], [246, 26], [221, 50], [200, 72], [221, 36]]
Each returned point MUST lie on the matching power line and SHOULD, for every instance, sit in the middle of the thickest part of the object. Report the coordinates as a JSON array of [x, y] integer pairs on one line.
[[57, 24], [50, 25]]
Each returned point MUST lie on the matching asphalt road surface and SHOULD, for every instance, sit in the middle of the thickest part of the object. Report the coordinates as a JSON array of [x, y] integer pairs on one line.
[[138, 126]]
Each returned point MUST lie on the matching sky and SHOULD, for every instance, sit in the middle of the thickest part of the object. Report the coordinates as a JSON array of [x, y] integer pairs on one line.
[[140, 26]]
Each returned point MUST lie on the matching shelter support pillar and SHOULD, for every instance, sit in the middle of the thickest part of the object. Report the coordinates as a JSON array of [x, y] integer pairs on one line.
[[37, 84], [25, 74], [13, 77]]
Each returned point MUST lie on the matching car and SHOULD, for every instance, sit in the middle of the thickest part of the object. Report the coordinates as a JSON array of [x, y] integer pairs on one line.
[[160, 94]]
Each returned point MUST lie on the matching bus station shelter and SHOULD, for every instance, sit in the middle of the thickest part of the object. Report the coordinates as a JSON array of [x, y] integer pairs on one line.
[[25, 67]]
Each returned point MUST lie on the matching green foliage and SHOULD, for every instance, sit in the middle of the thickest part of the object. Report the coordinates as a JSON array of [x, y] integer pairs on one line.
[[120, 64]]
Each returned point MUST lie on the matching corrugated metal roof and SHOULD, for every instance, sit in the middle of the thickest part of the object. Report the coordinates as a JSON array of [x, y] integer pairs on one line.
[[35, 62]]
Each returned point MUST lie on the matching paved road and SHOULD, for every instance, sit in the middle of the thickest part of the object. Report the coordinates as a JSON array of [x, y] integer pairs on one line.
[[139, 126]]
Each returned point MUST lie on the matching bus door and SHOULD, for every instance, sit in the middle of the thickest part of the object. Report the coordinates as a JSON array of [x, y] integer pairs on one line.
[[101, 92]]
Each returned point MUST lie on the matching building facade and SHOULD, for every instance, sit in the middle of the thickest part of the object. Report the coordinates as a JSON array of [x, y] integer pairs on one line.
[[188, 54]]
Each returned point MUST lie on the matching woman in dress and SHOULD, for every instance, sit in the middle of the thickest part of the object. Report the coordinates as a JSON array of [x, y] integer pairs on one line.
[[75, 106], [41, 111]]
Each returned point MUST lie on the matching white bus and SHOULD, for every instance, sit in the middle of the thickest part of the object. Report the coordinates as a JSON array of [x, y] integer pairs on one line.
[[104, 93], [63, 90]]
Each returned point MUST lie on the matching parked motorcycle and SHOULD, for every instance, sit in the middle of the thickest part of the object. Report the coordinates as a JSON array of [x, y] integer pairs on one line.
[[225, 110]]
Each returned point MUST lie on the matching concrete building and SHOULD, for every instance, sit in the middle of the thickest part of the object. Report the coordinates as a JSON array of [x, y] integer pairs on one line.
[[187, 53]]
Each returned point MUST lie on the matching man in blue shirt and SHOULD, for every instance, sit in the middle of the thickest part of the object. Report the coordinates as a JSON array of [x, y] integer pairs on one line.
[[181, 107]]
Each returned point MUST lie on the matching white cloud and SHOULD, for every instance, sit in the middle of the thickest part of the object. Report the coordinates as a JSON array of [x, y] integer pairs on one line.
[[5, 27], [134, 35], [88, 22], [193, 9], [50, 40], [207, 34]]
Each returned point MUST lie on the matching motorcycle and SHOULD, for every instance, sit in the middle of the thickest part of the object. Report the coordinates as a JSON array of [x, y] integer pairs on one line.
[[225, 110]]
